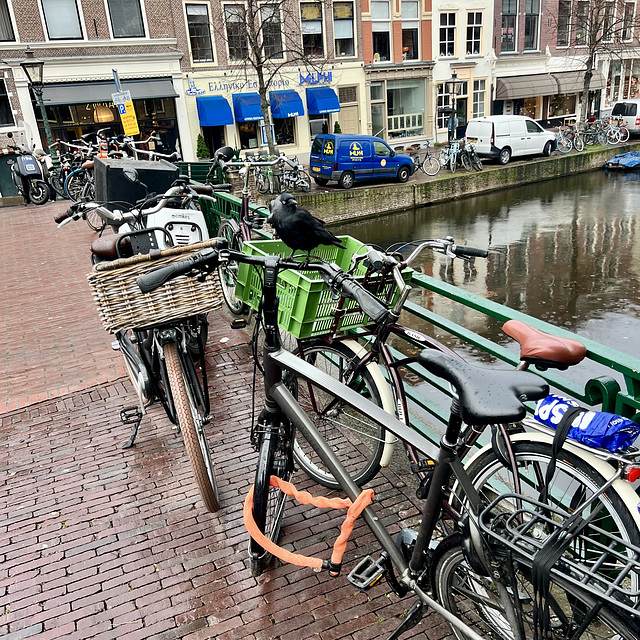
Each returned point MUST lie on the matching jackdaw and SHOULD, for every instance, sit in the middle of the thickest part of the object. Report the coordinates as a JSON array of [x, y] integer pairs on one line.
[[296, 227]]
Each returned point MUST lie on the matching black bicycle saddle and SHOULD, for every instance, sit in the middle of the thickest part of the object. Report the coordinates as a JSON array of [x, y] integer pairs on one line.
[[486, 396]]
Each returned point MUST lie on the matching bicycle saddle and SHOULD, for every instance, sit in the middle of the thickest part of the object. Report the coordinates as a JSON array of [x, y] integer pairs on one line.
[[544, 350], [485, 396]]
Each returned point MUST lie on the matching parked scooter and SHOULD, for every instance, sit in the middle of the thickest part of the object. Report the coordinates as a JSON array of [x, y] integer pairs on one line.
[[26, 173]]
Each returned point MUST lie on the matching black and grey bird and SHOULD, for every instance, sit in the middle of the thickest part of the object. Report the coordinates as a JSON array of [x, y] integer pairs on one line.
[[296, 227]]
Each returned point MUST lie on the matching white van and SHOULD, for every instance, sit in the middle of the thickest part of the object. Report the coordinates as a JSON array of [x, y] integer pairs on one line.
[[629, 112], [504, 137]]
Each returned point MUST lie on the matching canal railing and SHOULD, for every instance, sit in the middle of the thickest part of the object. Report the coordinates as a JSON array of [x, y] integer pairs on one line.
[[617, 390]]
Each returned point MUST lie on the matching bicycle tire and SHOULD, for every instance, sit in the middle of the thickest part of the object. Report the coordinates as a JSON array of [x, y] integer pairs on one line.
[[624, 134], [465, 160], [613, 136], [57, 183], [564, 144], [268, 501], [431, 166], [578, 142], [73, 184], [453, 162], [476, 163], [473, 599], [574, 481], [443, 158], [191, 422], [228, 271], [357, 441]]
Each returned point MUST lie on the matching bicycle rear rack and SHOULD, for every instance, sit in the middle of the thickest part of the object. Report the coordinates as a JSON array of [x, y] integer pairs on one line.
[[594, 560]]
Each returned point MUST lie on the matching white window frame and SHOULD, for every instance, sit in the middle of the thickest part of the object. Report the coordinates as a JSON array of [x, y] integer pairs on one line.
[[389, 30], [447, 27], [186, 24], [353, 31], [611, 6], [632, 20], [145, 26], [474, 26], [45, 29], [12, 19], [479, 90], [411, 23], [536, 44], [515, 29]]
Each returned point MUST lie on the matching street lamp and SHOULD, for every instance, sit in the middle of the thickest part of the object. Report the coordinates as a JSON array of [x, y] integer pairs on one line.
[[452, 87], [33, 69]]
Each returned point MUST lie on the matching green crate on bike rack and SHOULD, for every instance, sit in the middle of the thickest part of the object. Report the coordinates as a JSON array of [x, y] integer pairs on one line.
[[307, 307]]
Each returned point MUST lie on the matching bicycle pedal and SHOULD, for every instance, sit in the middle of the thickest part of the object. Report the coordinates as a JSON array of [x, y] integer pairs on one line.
[[426, 464], [130, 415], [368, 572], [240, 323]]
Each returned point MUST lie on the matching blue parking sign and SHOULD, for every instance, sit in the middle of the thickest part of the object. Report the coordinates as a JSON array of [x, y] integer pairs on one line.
[[122, 109]]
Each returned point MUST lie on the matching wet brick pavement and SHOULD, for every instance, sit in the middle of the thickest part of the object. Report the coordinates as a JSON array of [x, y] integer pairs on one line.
[[101, 542]]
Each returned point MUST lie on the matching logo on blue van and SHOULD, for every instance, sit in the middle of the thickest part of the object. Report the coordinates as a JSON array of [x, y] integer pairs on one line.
[[355, 151]]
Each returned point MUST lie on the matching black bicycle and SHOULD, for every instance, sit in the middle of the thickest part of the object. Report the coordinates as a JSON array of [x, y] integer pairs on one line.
[[515, 566]]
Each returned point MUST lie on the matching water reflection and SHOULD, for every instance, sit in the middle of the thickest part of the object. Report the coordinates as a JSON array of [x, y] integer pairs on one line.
[[565, 251]]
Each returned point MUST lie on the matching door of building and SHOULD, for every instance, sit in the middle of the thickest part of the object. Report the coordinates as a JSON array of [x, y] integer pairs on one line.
[[349, 119]]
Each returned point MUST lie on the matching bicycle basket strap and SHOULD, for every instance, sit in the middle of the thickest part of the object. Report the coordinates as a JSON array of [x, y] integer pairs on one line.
[[354, 509]]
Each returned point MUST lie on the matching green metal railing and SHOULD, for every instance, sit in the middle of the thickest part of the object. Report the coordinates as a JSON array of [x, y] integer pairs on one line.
[[618, 391]]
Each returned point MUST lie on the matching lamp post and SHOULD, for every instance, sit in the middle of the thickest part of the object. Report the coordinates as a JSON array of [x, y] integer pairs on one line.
[[33, 69], [452, 87]]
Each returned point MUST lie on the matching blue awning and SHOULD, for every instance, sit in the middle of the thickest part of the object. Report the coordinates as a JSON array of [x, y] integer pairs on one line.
[[246, 107], [285, 104], [322, 100], [214, 111]]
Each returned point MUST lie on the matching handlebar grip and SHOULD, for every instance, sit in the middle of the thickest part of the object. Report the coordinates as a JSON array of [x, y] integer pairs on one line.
[[375, 258], [62, 216], [469, 252], [367, 301]]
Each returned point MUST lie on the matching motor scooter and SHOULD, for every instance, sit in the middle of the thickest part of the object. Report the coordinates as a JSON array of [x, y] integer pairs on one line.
[[26, 173]]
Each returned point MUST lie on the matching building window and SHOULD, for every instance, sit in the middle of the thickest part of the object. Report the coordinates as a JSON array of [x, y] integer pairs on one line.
[[62, 19], [564, 23], [447, 34], [582, 22], [474, 33], [311, 13], [199, 33], [343, 29], [378, 124], [347, 95], [284, 130], [410, 26], [444, 107], [531, 22], [6, 115], [126, 18], [318, 124], [479, 94], [508, 39], [608, 28], [6, 28], [381, 27], [405, 108], [271, 32], [627, 22], [234, 15]]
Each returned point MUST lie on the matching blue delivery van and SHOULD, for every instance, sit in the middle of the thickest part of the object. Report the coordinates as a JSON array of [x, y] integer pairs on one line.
[[347, 158]]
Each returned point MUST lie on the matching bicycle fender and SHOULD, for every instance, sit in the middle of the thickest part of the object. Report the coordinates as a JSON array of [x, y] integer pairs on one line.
[[622, 487], [388, 403]]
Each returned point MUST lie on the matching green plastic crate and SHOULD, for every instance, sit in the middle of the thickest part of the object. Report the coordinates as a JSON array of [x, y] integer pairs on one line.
[[307, 307]]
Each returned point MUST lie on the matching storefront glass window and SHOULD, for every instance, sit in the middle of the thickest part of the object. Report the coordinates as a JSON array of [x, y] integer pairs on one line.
[[285, 130], [405, 108], [318, 124], [248, 132], [378, 125], [63, 21]]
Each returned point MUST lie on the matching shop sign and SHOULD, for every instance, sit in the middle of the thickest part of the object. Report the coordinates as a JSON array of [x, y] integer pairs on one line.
[[123, 101], [241, 86], [193, 90], [316, 77]]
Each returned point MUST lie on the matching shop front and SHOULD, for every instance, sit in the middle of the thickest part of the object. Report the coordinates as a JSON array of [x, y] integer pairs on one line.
[[77, 108]]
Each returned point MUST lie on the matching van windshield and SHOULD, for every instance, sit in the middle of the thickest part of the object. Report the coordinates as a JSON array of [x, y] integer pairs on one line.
[[625, 109]]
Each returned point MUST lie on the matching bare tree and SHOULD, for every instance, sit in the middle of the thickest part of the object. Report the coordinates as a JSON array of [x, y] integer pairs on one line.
[[264, 37], [596, 29]]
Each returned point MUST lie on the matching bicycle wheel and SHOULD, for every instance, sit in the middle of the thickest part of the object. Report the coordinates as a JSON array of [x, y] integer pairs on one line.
[[466, 161], [578, 142], [624, 134], [268, 501], [473, 599], [228, 271], [355, 439], [453, 162], [564, 144], [191, 421], [431, 166], [613, 136], [73, 185], [574, 482], [57, 182], [476, 163], [303, 183]]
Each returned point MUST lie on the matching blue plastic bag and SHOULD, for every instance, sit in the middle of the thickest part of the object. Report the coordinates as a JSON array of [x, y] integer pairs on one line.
[[593, 428]]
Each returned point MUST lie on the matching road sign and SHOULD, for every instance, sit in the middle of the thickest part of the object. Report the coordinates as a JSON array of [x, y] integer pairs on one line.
[[123, 101]]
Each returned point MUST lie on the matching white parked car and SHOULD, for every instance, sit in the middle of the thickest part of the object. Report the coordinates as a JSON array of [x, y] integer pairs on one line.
[[504, 137]]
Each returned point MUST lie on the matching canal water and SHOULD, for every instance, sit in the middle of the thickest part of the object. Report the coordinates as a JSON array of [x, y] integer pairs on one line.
[[566, 251]]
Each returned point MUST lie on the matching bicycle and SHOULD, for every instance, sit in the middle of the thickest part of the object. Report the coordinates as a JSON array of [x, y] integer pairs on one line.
[[429, 165], [486, 573], [449, 156], [476, 162], [569, 138], [294, 177]]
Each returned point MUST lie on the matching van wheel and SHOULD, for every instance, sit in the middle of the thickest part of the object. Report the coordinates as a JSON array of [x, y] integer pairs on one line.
[[547, 149], [346, 180], [403, 174], [323, 182], [505, 155]]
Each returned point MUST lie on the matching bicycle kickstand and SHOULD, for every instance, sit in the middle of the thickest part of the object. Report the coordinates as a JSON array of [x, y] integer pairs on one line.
[[131, 415], [413, 617]]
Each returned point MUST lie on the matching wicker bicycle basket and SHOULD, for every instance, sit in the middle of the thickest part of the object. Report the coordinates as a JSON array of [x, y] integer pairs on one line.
[[122, 305]]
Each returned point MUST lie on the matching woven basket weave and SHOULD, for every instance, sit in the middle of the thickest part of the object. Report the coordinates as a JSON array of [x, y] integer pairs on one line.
[[122, 305]]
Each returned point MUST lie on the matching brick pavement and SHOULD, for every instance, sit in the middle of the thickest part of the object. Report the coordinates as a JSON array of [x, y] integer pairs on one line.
[[101, 542]]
